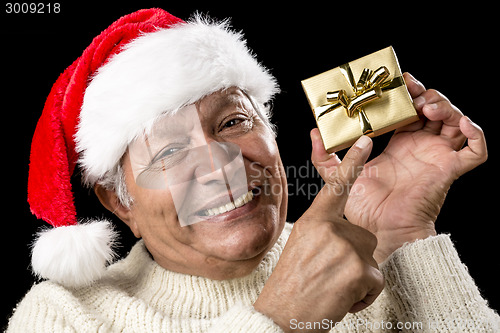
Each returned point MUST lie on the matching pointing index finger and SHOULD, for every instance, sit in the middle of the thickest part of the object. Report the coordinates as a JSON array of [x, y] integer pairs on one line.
[[333, 196], [415, 87]]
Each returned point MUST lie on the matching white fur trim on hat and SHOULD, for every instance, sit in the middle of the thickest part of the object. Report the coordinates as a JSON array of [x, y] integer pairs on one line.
[[75, 255], [160, 72]]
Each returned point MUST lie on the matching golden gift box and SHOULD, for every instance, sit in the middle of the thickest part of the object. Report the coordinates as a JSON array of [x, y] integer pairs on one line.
[[374, 104]]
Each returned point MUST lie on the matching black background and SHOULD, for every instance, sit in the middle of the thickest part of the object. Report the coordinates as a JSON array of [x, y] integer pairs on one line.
[[452, 49]]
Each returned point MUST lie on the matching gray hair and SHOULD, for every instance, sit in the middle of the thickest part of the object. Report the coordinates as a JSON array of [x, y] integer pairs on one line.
[[114, 180]]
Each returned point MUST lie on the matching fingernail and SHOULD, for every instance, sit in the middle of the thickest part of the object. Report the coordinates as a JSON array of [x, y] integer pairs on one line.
[[419, 102], [363, 142], [411, 77], [315, 135], [472, 123], [432, 106], [414, 79]]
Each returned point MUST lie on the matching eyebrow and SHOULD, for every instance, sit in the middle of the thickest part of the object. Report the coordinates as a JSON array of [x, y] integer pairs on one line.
[[222, 102]]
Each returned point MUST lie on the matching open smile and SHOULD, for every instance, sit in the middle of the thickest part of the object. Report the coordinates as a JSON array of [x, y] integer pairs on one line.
[[227, 208], [238, 202]]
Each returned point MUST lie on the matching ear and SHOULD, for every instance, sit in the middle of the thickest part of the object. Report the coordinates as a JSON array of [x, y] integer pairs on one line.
[[110, 201]]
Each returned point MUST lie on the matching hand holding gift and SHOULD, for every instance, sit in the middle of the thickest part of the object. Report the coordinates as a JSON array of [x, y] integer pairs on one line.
[[399, 194]]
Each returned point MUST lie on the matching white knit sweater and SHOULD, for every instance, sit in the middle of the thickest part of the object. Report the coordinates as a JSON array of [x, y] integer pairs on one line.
[[427, 289]]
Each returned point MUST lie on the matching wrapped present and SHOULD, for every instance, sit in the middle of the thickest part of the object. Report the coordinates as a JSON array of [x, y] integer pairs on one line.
[[346, 108]]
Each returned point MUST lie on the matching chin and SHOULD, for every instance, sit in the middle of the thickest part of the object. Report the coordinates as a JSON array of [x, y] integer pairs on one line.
[[250, 241], [244, 240]]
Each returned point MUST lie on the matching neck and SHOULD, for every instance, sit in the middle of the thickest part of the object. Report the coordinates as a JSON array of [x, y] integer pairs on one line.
[[210, 267]]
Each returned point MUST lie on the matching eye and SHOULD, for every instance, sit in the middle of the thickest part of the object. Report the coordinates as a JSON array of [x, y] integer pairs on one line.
[[232, 122], [166, 152], [236, 124]]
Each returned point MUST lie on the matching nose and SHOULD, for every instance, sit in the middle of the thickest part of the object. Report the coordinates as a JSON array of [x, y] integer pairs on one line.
[[223, 162]]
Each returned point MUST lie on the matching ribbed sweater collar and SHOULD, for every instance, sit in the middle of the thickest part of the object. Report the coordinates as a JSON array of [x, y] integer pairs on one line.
[[186, 296]]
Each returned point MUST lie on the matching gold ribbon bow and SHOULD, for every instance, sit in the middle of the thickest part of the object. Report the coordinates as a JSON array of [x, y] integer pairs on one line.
[[368, 88]]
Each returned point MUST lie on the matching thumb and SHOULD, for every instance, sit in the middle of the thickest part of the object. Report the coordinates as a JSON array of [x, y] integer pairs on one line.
[[333, 196]]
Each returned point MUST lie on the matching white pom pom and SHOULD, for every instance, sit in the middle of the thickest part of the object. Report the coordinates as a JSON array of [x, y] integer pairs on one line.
[[74, 255]]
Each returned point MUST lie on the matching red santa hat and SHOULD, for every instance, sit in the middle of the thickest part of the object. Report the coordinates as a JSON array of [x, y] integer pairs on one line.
[[144, 65]]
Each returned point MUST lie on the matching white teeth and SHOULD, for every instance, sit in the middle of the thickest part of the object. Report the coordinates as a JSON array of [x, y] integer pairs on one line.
[[238, 202]]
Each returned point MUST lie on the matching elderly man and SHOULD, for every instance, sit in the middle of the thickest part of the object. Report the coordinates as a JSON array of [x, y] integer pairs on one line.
[[169, 125]]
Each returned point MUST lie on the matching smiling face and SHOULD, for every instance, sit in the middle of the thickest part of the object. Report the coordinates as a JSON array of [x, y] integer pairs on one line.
[[235, 201], [205, 179]]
